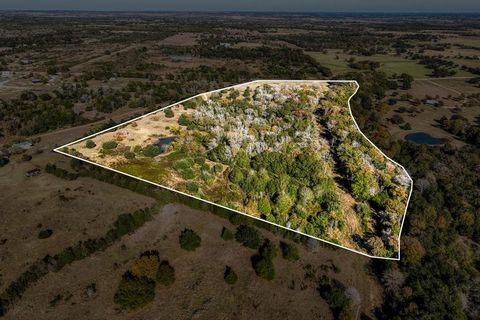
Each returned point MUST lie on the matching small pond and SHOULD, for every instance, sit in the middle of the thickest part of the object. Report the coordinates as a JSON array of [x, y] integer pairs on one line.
[[424, 138], [163, 142]]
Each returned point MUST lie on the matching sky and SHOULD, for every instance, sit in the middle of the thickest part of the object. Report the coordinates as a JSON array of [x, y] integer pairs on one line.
[[407, 6]]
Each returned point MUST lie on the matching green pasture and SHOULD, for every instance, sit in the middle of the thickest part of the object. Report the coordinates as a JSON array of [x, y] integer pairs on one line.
[[388, 64]]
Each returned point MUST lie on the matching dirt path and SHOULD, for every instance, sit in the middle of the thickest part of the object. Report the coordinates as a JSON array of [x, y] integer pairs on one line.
[[443, 87], [78, 67]]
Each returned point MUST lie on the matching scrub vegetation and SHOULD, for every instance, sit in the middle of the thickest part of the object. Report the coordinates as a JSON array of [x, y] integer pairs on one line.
[[286, 152]]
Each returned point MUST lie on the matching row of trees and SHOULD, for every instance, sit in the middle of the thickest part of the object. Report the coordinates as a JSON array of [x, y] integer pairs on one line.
[[125, 224]]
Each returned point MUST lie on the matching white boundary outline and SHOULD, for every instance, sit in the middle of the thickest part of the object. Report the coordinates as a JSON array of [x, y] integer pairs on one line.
[[243, 213]]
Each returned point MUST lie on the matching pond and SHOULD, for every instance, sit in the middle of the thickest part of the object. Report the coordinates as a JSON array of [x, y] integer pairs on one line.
[[424, 138], [163, 142]]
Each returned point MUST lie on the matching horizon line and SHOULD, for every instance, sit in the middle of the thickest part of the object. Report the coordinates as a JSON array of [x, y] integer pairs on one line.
[[248, 11]]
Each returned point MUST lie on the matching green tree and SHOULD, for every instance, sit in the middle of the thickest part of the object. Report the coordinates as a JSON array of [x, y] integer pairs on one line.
[[184, 120], [218, 167], [289, 251], [406, 80], [129, 155], [145, 266], [248, 236], [242, 160], [165, 274], [264, 206], [90, 144], [169, 113], [263, 267], [283, 203], [236, 175], [133, 292], [229, 275], [151, 151], [109, 145], [331, 201], [227, 234], [192, 187], [360, 185], [189, 240]]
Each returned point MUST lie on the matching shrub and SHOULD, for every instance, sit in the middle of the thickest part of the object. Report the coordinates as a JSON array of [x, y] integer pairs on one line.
[[227, 234], [129, 155], [205, 167], [146, 266], [165, 274], [189, 240], [268, 250], [133, 292], [90, 144], [169, 113], [109, 145], [263, 261], [248, 236], [331, 201], [184, 120], [282, 205], [360, 185], [264, 206], [45, 233], [263, 267], [151, 151], [229, 275], [334, 294], [200, 160], [188, 174], [364, 213], [182, 164], [3, 161], [236, 175], [397, 119], [192, 186], [217, 168], [289, 252]]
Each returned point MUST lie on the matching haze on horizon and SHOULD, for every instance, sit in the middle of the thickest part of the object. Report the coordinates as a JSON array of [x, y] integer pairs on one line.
[[404, 6]]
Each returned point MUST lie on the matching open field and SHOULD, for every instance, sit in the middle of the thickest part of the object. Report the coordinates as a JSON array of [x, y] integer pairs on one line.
[[338, 63], [199, 291], [86, 209]]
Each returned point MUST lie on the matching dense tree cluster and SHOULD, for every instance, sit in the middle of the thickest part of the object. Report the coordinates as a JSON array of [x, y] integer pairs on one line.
[[437, 275], [440, 67], [137, 286], [273, 151], [280, 62], [278, 161], [333, 291], [462, 128]]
